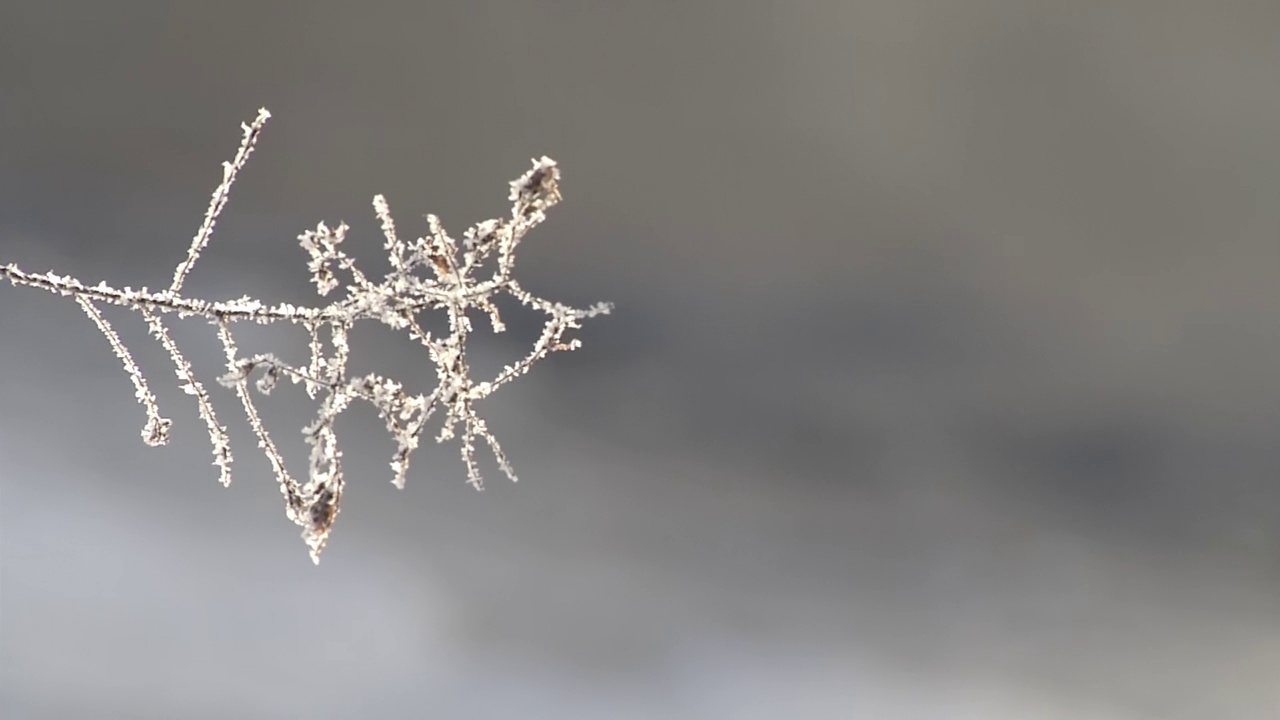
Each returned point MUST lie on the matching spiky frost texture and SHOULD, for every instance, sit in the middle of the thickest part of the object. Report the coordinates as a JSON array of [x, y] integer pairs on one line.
[[429, 273]]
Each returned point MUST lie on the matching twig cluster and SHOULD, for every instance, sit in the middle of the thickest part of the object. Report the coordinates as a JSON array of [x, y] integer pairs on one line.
[[430, 273]]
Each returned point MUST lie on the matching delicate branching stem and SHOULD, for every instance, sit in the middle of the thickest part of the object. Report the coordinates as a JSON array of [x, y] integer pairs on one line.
[[430, 273]]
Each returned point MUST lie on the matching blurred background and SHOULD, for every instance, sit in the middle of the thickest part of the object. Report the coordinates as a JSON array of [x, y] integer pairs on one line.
[[942, 381]]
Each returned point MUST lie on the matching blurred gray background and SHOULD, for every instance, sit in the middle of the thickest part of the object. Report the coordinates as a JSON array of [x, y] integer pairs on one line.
[[942, 382]]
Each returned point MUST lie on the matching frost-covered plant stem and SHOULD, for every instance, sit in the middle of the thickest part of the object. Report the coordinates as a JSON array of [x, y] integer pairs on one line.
[[431, 273]]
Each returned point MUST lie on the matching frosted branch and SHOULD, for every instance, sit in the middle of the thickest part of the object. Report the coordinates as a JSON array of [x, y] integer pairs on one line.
[[432, 273]]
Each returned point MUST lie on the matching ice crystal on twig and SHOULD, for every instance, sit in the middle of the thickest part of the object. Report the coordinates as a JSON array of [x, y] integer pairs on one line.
[[431, 273]]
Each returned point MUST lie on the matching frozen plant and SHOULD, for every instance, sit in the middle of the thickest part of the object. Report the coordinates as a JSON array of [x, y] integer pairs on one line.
[[429, 273]]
